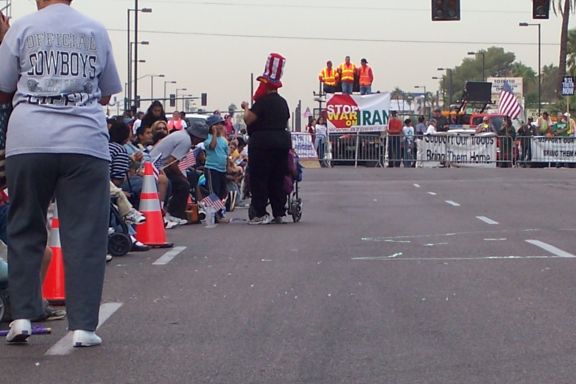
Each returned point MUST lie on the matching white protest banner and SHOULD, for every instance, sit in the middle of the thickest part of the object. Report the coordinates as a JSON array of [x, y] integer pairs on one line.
[[302, 143], [357, 113], [457, 150], [553, 149]]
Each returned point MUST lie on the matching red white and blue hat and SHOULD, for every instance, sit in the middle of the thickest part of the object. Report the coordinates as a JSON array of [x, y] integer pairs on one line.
[[273, 70]]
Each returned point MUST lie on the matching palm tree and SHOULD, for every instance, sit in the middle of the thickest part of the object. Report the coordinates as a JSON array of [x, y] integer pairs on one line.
[[571, 59], [564, 10]]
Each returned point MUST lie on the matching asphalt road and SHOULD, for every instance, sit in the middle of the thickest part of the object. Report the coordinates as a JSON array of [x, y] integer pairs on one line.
[[393, 276]]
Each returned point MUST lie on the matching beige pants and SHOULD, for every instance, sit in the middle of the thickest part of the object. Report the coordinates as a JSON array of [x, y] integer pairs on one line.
[[122, 202]]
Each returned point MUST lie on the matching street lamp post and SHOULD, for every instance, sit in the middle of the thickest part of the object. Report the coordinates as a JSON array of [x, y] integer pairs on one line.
[[130, 61], [167, 82], [449, 73], [152, 84], [539, 62], [179, 89], [425, 94], [483, 61], [437, 92], [136, 10]]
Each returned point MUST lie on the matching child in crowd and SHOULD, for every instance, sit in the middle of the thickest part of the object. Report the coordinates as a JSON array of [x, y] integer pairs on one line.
[[216, 147]]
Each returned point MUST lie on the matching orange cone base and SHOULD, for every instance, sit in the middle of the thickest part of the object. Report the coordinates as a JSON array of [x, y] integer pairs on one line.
[[53, 288], [152, 231]]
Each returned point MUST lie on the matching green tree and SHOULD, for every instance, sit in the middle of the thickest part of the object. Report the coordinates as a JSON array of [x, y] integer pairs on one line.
[[563, 7], [497, 62], [550, 88]]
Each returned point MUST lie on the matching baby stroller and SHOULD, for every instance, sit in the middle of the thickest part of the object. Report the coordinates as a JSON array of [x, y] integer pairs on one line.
[[4, 303], [294, 202], [291, 180], [119, 241]]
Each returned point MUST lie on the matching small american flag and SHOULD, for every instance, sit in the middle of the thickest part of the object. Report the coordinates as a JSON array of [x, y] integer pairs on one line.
[[188, 161], [213, 201], [509, 105], [155, 166]]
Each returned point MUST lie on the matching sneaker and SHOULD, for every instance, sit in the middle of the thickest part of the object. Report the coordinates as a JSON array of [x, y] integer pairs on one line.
[[51, 314], [260, 220], [135, 217], [108, 258], [175, 219], [278, 220], [139, 247], [19, 332], [169, 224], [85, 339], [222, 220]]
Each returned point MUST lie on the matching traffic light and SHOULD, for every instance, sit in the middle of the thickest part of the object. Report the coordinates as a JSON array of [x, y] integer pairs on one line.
[[137, 103], [172, 100], [204, 99], [540, 9], [445, 10]]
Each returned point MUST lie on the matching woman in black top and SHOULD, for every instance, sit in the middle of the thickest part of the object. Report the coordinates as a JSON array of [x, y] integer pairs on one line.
[[154, 113], [268, 146]]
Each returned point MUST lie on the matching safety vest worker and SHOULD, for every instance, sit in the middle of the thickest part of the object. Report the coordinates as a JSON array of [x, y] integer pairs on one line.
[[347, 70], [329, 78], [366, 77]]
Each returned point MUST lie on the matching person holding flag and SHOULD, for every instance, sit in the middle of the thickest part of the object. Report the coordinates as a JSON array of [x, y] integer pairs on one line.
[[216, 147], [170, 151]]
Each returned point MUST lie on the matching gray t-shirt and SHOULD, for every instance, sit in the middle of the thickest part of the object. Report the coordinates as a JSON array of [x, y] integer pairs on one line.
[[176, 144], [60, 64]]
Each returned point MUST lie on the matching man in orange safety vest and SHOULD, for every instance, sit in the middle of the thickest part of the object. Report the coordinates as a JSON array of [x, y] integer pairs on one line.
[[347, 71], [366, 77], [329, 78]]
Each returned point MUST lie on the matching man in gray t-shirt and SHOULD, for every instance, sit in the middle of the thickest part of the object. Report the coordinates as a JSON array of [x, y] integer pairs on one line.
[[171, 150], [58, 64]]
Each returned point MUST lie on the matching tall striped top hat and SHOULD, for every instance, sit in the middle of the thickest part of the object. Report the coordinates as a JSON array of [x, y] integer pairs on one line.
[[273, 70]]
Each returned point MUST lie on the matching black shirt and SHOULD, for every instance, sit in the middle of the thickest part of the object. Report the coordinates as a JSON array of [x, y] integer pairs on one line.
[[269, 130]]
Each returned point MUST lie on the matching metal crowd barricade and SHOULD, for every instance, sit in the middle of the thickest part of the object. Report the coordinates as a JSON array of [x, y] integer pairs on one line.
[[542, 151], [460, 149], [357, 148]]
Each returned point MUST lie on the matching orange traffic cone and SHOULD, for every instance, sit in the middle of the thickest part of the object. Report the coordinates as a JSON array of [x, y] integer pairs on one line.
[[53, 288], [152, 231]]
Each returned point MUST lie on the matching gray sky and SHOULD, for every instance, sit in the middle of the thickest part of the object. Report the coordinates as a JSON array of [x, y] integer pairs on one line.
[[213, 46]]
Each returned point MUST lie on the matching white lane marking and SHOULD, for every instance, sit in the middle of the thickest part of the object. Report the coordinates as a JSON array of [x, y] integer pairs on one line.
[[169, 256], [385, 258], [64, 345], [384, 238], [500, 239], [550, 248], [434, 244], [487, 220], [397, 254], [432, 193], [417, 185], [452, 203]]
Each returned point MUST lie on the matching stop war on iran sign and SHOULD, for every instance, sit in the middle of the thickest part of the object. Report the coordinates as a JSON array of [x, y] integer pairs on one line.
[[357, 113]]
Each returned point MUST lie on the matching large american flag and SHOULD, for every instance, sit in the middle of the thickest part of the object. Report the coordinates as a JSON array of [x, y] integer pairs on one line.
[[188, 161], [509, 105], [213, 201]]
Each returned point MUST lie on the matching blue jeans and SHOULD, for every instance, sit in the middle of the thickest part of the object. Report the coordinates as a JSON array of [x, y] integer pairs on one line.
[[347, 88], [319, 144], [365, 89]]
